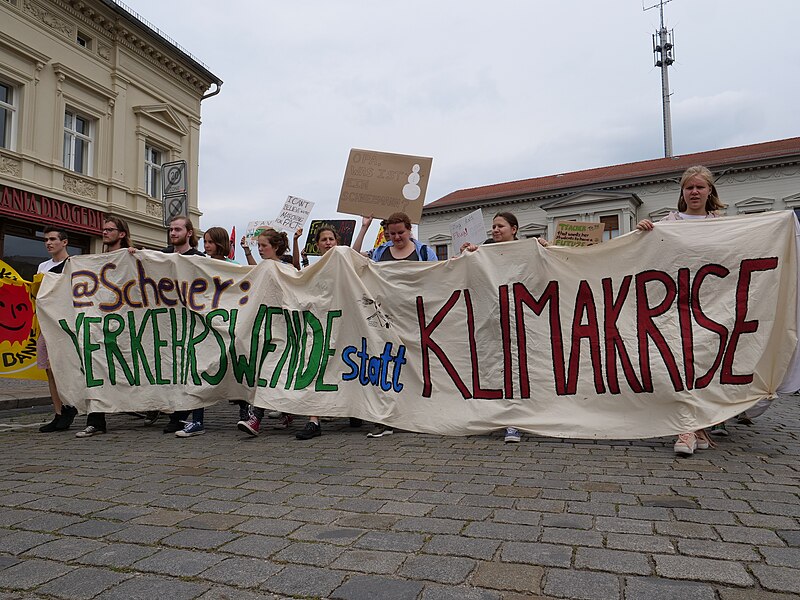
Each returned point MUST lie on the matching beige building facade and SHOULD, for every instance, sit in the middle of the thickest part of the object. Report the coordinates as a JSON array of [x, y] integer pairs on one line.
[[93, 100], [749, 179]]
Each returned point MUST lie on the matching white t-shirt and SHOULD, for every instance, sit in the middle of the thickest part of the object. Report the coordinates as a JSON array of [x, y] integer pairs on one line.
[[48, 265]]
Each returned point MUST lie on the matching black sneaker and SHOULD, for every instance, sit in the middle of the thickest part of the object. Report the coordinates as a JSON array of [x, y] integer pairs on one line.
[[173, 426], [51, 426], [311, 430], [150, 417], [68, 414]]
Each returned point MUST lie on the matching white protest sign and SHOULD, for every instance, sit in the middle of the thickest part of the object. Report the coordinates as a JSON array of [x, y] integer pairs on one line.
[[468, 229], [253, 229], [294, 214]]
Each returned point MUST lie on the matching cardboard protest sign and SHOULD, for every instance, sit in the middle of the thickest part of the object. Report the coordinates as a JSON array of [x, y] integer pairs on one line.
[[294, 214], [634, 337], [19, 327], [576, 233], [254, 228], [470, 229], [380, 183], [344, 227]]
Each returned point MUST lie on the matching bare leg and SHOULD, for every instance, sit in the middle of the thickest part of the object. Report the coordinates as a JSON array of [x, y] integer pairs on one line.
[[54, 392]]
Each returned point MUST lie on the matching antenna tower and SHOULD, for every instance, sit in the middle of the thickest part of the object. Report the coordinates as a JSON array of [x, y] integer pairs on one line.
[[664, 52]]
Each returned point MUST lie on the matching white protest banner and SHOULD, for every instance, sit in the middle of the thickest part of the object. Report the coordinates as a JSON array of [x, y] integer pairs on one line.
[[648, 334], [468, 229], [294, 214], [382, 183], [253, 229]]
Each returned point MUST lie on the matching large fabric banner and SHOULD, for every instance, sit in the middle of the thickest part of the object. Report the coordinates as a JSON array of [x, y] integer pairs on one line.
[[19, 327], [648, 334]]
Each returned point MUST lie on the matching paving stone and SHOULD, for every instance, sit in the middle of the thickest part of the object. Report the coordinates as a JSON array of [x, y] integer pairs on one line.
[[702, 569], [504, 576], [409, 509], [64, 549], [141, 534], [241, 572], [717, 549], [502, 531], [617, 525], [83, 583], [568, 521], [369, 561], [686, 530], [31, 573], [16, 515], [581, 585], [792, 538], [327, 533], [442, 569], [370, 522], [521, 517], [751, 594], [429, 525], [178, 562], [442, 592], [319, 555], [639, 543], [366, 587], [93, 528], [749, 535], [7, 561], [575, 537], [148, 587], [163, 517], [48, 522], [202, 539], [117, 555], [304, 581], [655, 588], [391, 540], [781, 557], [19, 542], [260, 546], [222, 592], [213, 521], [776, 579], [616, 561], [547, 555], [123, 512], [460, 546]]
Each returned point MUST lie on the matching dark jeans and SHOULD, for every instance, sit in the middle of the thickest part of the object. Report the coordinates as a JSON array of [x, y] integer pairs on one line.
[[96, 420]]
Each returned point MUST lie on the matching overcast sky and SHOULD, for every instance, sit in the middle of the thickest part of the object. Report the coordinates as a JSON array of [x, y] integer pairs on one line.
[[493, 91]]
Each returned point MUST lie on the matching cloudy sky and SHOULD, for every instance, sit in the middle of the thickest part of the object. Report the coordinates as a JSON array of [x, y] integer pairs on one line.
[[493, 91]]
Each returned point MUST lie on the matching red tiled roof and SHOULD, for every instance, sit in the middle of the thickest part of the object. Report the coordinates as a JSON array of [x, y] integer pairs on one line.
[[645, 168]]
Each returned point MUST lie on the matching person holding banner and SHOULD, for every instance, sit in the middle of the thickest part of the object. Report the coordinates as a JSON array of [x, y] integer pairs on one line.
[[327, 237], [698, 199], [401, 246], [272, 245], [116, 235], [216, 245], [504, 229], [184, 242], [55, 242]]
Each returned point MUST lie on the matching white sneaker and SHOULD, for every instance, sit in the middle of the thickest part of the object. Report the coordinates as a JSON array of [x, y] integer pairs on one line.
[[89, 432], [686, 444]]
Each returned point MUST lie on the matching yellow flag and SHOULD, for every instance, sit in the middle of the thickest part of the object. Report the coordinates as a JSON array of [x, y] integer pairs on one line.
[[19, 327]]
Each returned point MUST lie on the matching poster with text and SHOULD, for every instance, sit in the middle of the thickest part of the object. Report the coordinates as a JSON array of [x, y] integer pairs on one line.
[[576, 233], [344, 227], [468, 229], [380, 183], [294, 214]]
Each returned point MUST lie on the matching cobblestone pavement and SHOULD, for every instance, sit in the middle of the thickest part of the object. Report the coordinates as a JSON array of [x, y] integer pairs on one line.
[[139, 514]]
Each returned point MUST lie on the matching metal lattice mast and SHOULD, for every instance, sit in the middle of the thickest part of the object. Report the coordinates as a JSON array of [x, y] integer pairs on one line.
[[664, 52]]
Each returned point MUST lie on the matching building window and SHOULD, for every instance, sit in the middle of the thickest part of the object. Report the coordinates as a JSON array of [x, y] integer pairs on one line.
[[78, 132], [84, 40], [8, 113], [611, 229], [153, 158], [441, 251]]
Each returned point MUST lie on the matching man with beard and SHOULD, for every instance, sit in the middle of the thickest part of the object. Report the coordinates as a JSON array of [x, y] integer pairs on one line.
[[116, 236], [183, 240]]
